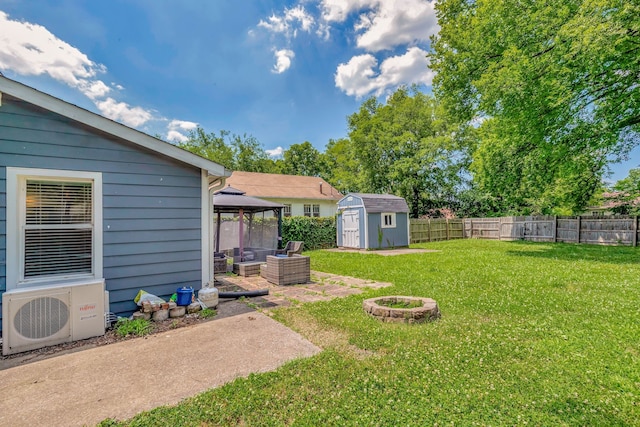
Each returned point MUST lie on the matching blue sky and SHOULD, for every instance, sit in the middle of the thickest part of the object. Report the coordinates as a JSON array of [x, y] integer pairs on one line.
[[284, 72]]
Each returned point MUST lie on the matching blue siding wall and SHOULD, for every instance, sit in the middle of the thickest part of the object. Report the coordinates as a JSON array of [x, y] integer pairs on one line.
[[345, 202], [391, 237], [151, 203]]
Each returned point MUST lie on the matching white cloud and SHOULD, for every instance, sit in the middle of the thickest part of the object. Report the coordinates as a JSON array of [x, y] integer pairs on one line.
[[283, 60], [94, 89], [289, 22], [396, 23], [123, 112], [339, 10], [174, 135], [30, 49], [176, 129], [182, 124], [359, 78], [276, 152]]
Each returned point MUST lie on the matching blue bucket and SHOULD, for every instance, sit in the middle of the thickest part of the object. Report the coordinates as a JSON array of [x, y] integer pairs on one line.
[[184, 295]]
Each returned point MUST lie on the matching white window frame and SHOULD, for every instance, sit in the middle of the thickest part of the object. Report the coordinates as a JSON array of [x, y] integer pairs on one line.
[[392, 218], [16, 218], [315, 211], [286, 211], [307, 210]]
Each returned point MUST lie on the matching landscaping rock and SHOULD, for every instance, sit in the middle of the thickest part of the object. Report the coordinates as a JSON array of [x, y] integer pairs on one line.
[[138, 315], [194, 307], [146, 307], [160, 315], [177, 311]]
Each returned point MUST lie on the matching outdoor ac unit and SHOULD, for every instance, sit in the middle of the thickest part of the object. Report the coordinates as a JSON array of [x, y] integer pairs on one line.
[[47, 315]]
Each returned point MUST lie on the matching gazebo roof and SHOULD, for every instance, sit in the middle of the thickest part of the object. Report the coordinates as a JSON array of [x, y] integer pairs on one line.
[[231, 200]]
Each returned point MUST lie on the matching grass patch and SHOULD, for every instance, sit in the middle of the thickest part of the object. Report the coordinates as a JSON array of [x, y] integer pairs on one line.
[[207, 313], [531, 333], [400, 304], [138, 327]]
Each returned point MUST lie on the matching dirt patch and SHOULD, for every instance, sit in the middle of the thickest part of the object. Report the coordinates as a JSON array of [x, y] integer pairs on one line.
[[324, 338]]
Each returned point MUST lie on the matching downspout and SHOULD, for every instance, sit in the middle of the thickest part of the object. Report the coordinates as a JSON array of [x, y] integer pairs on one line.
[[214, 185]]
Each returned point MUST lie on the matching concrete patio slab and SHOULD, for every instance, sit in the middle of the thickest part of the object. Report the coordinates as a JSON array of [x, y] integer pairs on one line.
[[120, 380]]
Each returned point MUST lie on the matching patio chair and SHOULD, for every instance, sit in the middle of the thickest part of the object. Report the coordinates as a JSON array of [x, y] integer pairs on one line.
[[292, 247]]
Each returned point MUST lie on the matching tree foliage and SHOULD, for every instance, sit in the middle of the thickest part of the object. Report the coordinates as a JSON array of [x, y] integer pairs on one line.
[[302, 159], [555, 85], [341, 166], [235, 152], [407, 148]]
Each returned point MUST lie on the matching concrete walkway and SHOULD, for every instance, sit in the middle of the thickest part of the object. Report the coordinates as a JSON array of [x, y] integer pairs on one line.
[[120, 380]]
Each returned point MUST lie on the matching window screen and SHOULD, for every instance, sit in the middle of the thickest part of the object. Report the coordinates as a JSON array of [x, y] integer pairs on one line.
[[58, 231]]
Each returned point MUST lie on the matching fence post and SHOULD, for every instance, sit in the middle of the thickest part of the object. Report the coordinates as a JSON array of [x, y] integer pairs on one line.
[[429, 228], [634, 238], [555, 228], [579, 221], [447, 219]]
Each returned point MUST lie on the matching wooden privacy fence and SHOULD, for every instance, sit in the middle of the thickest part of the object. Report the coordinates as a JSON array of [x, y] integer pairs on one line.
[[619, 230], [431, 230]]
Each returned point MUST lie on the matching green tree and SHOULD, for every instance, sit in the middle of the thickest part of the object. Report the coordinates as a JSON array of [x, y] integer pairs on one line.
[[210, 146], [235, 152], [405, 147], [250, 156], [556, 85], [625, 199], [341, 167], [301, 159], [630, 184]]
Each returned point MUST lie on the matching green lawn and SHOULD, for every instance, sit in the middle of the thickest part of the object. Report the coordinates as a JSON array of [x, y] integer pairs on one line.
[[537, 334]]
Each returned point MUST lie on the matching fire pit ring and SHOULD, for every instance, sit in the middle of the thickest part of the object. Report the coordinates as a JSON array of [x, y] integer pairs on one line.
[[402, 309]]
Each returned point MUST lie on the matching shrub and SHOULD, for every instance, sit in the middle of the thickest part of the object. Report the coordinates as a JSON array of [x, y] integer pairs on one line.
[[316, 233]]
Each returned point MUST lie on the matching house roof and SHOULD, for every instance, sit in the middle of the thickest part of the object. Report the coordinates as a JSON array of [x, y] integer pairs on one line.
[[231, 199], [375, 203], [96, 121], [271, 185]]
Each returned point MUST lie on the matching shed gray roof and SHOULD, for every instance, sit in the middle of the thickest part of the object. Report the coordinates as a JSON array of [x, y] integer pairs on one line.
[[375, 203]]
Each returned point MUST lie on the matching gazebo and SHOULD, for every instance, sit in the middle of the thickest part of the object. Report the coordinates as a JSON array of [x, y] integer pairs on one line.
[[247, 228]]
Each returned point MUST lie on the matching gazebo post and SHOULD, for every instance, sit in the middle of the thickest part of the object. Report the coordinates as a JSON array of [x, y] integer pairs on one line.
[[241, 233], [279, 213], [218, 233]]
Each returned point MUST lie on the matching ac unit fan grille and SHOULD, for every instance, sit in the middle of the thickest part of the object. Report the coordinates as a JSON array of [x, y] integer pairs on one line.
[[41, 318]]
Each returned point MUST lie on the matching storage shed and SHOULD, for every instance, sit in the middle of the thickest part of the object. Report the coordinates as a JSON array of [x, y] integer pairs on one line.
[[372, 221]]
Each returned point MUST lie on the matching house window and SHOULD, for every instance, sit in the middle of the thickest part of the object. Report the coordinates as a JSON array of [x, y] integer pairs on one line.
[[312, 210], [56, 227], [287, 210], [388, 220]]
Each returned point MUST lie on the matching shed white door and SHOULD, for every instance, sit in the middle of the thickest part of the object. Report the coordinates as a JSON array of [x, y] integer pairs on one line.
[[351, 229]]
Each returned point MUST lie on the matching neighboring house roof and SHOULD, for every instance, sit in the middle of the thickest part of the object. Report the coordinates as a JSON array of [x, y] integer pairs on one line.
[[271, 185], [96, 121], [375, 203]]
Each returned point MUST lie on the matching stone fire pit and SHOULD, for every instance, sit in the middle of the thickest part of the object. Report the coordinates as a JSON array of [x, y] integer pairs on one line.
[[401, 309]]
